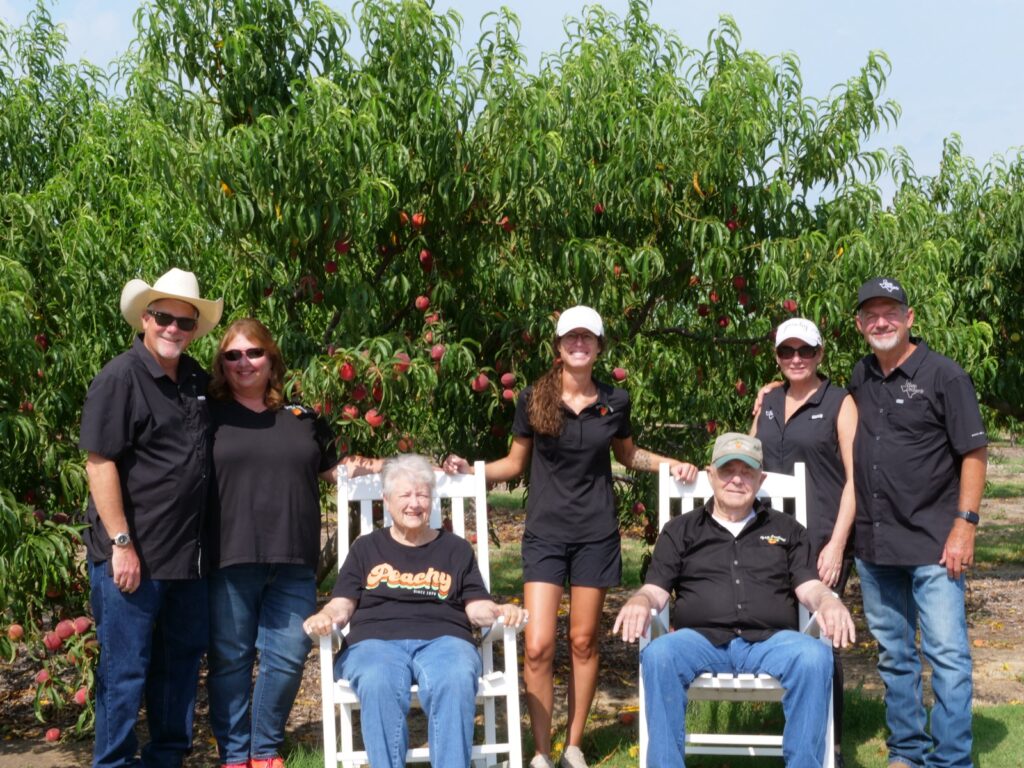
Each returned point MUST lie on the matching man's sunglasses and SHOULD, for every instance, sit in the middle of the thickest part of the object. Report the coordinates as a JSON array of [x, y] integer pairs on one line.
[[806, 352], [234, 355], [163, 320]]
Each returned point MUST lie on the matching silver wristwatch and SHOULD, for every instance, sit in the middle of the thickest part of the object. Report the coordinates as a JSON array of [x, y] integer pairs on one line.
[[121, 540]]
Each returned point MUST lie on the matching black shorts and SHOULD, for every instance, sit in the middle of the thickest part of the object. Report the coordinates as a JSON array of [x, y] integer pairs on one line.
[[588, 564]]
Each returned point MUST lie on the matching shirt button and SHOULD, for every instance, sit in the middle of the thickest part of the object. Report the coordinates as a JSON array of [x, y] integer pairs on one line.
[[877, 438], [877, 524], [739, 607], [735, 562], [874, 495], [881, 410], [737, 581], [874, 466]]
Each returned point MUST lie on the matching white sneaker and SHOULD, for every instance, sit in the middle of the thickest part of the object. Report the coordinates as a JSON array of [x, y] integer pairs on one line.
[[572, 757], [541, 761]]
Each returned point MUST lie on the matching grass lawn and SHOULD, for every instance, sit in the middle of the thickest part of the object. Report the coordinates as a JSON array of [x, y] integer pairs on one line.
[[998, 737]]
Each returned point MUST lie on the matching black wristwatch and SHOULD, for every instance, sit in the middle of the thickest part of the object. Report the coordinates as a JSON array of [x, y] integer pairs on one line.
[[121, 540], [970, 517]]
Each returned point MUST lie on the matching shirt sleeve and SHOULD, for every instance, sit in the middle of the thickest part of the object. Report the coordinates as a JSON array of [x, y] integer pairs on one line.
[[106, 416], [351, 578], [325, 441], [473, 587], [964, 427], [665, 562], [521, 422], [802, 563]]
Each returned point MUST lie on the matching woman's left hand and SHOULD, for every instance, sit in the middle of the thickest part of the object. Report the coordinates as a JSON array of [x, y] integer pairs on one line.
[[318, 625], [683, 471], [830, 564]]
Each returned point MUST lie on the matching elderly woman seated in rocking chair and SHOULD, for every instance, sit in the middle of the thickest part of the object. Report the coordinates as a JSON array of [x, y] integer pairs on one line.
[[410, 595]]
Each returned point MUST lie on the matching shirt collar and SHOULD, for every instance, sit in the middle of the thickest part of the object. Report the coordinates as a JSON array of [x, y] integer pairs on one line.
[[908, 367]]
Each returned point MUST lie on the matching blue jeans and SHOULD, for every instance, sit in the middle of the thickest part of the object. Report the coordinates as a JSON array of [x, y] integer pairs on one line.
[[801, 663], [151, 643], [446, 670], [897, 600], [256, 608]]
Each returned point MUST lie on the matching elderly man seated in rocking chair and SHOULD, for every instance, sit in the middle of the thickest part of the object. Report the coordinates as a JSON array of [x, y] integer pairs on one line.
[[736, 568]]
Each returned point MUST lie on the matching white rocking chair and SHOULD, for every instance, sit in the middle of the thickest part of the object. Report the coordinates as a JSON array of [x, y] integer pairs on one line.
[[340, 700], [729, 687]]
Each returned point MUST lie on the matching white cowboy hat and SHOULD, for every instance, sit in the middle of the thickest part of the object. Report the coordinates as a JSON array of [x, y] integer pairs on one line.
[[174, 284]]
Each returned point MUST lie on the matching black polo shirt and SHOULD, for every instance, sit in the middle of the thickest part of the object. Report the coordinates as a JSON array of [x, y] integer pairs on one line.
[[571, 498], [157, 432], [726, 586], [914, 425], [810, 435]]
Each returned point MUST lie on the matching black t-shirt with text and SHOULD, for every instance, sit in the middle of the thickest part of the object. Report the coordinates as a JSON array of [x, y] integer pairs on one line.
[[571, 498], [410, 593], [266, 467]]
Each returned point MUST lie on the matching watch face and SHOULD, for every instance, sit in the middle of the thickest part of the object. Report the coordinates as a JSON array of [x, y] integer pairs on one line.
[[121, 540]]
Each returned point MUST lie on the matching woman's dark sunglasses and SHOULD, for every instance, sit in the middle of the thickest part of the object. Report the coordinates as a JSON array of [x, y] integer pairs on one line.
[[234, 355], [806, 352], [163, 320]]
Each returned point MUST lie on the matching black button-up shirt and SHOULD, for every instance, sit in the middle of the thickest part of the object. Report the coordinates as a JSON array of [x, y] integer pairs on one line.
[[726, 586], [810, 435], [571, 498], [914, 426], [157, 432]]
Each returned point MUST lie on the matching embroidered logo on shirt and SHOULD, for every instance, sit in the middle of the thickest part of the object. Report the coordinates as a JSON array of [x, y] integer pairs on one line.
[[888, 286], [429, 582], [603, 410], [818, 416], [774, 538], [770, 414], [910, 389]]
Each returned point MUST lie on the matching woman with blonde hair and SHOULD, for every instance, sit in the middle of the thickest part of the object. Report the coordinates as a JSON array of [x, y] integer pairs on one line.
[[565, 425]]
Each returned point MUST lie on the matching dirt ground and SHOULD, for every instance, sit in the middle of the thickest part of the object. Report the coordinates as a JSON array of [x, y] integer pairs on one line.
[[995, 613]]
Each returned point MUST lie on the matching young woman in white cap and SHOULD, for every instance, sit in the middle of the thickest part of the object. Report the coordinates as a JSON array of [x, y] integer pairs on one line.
[[810, 419], [564, 426]]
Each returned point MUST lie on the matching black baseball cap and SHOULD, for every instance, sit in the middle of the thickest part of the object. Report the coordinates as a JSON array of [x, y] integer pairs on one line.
[[881, 288]]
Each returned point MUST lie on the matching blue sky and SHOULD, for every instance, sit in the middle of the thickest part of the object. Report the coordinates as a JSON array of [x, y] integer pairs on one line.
[[957, 66]]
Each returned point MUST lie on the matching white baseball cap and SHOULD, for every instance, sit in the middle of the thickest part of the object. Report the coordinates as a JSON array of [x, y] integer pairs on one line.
[[579, 317], [798, 328]]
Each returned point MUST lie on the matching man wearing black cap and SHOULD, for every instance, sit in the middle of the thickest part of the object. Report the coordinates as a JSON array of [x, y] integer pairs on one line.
[[919, 461], [737, 569]]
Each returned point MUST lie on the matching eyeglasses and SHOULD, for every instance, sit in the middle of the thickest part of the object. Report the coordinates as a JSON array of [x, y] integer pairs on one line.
[[164, 319], [234, 355], [806, 352]]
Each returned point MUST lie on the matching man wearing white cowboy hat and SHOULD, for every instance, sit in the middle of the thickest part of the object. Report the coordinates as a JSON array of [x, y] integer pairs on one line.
[[144, 425]]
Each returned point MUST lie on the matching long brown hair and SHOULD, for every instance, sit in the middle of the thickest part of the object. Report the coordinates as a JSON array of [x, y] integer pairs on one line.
[[545, 406], [252, 329]]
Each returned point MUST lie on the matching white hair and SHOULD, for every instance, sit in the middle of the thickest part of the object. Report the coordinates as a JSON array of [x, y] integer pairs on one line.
[[409, 466]]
